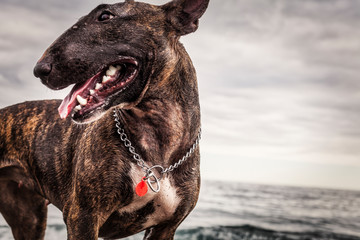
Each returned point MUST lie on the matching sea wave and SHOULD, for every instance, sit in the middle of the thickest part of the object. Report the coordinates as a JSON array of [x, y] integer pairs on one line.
[[249, 232], [244, 232], [232, 211]]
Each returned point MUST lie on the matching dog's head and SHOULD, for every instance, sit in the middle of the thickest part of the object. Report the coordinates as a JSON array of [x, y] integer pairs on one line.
[[112, 53]]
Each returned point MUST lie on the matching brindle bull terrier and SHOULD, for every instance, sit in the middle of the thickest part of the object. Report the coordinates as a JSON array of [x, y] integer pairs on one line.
[[112, 175]]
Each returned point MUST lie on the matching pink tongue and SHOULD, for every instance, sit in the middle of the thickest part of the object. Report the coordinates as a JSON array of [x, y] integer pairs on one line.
[[67, 105], [69, 102]]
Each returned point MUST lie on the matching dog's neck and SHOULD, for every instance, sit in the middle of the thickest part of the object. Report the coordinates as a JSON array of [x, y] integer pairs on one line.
[[161, 131], [167, 121]]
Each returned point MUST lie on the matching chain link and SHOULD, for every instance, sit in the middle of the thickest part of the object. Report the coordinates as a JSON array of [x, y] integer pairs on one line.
[[140, 162], [186, 156], [123, 137]]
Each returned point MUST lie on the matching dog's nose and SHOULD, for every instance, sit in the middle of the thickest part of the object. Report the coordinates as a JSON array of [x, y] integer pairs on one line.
[[42, 69]]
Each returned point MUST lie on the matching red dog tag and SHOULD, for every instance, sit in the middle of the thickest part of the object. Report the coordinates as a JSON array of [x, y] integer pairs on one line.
[[142, 188]]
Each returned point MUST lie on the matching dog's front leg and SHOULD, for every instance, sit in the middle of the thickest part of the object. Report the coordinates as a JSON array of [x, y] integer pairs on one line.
[[160, 232], [81, 222]]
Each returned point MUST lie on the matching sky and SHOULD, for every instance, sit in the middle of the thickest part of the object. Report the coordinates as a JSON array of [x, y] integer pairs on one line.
[[279, 83]]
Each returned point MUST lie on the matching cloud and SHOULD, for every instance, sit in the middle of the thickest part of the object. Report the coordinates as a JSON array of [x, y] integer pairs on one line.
[[280, 84]]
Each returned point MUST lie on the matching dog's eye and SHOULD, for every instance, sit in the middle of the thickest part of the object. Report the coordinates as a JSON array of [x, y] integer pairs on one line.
[[104, 16]]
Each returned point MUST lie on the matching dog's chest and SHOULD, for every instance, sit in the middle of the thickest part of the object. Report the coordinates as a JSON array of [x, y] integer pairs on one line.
[[161, 206]]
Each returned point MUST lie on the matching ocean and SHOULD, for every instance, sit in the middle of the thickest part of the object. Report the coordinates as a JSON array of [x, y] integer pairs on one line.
[[231, 211]]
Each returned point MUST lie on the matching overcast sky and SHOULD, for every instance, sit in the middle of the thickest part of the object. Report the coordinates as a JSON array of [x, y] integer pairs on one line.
[[279, 83]]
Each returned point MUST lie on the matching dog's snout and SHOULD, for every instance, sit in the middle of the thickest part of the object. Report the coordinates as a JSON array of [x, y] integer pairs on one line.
[[42, 69]]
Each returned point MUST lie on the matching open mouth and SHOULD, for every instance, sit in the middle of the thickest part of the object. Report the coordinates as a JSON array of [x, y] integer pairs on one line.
[[91, 95]]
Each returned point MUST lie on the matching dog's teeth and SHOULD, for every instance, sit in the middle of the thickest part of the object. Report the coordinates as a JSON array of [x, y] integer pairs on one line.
[[106, 79], [81, 100], [111, 71], [118, 67], [77, 108], [92, 91], [98, 86]]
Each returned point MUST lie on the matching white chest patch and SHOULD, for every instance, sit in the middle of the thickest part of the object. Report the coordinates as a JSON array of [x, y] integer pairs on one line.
[[165, 201]]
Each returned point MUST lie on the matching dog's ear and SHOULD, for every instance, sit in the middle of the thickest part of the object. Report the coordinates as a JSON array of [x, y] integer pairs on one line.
[[184, 15]]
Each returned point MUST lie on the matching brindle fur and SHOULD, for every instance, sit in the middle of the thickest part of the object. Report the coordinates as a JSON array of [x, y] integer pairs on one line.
[[84, 169]]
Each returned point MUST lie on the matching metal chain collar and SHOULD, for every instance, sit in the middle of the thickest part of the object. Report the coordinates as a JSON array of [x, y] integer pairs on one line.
[[150, 176]]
